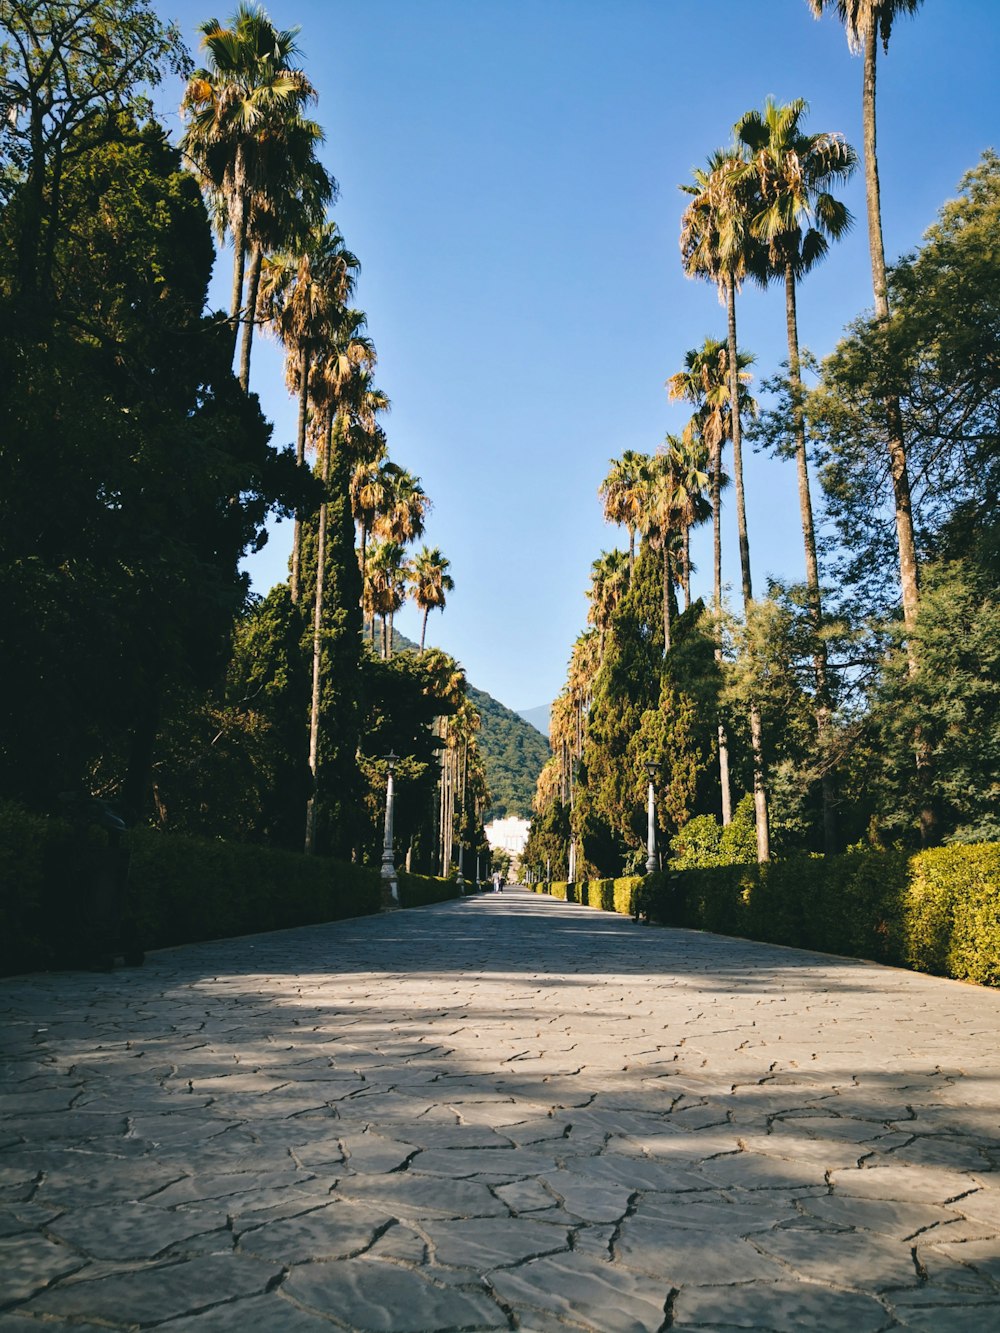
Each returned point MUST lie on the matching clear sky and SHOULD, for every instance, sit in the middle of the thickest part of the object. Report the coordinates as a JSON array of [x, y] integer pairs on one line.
[[508, 174]]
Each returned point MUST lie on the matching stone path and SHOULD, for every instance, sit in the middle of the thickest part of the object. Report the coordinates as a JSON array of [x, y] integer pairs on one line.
[[499, 1113]]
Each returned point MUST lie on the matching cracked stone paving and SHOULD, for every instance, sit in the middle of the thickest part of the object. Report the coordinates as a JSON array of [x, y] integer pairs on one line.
[[499, 1113]]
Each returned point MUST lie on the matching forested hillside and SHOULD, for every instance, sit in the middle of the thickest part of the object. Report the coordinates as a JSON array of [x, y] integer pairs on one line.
[[514, 753]]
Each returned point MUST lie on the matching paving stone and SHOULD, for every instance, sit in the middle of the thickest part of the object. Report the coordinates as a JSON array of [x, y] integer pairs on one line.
[[783, 1307], [257, 1314], [132, 1230], [717, 1212], [525, 1196], [367, 1296], [751, 1170], [943, 1310], [152, 1294], [423, 1196], [462, 1084], [981, 1255], [842, 1258], [487, 1243], [31, 1262], [335, 1231], [913, 1184], [589, 1294], [684, 1255], [902, 1221]]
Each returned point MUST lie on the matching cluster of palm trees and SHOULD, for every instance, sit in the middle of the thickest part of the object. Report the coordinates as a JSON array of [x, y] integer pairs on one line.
[[254, 149], [762, 209]]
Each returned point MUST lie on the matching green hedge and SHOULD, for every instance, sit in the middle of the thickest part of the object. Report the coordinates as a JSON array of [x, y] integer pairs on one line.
[[609, 895], [421, 890], [937, 911], [57, 905]]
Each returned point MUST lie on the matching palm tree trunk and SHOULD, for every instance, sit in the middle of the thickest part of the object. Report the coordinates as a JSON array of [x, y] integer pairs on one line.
[[813, 594], [631, 553], [727, 800], [686, 557], [239, 269], [737, 434], [310, 841], [756, 729], [250, 318], [388, 635], [909, 572], [300, 458], [667, 593], [423, 629]]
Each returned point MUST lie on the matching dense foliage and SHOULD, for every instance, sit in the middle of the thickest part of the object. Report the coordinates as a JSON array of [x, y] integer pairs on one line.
[[513, 755], [879, 716], [136, 468]]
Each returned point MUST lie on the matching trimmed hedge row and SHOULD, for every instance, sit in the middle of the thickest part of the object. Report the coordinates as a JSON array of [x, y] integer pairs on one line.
[[59, 906], [422, 890], [609, 895], [937, 911]]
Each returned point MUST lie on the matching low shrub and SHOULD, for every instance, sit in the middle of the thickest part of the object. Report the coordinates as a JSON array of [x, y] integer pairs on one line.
[[422, 890], [937, 911], [952, 912], [60, 904]]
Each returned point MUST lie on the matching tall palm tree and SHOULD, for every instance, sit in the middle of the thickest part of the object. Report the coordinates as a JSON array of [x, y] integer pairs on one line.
[[239, 111], [282, 218], [705, 384], [797, 220], [407, 504], [371, 486], [303, 296], [348, 356], [690, 459], [717, 244], [431, 582], [385, 589], [867, 22], [608, 584], [621, 492]]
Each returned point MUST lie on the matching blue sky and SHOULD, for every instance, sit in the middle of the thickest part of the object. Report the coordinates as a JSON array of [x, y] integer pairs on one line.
[[509, 174]]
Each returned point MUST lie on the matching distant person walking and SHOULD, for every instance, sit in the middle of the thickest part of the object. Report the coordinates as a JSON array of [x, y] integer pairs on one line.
[[497, 882]]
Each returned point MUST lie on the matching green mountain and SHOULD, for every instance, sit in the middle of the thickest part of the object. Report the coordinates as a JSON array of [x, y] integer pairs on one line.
[[514, 752]]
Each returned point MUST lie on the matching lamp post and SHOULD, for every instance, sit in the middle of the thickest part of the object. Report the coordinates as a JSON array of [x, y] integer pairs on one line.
[[651, 821], [388, 862], [477, 872], [548, 874], [461, 880]]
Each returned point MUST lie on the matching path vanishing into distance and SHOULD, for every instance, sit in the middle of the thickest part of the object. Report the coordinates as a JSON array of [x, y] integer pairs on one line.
[[504, 1112]]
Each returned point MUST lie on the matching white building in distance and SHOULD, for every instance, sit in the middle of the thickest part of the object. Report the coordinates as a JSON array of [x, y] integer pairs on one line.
[[507, 835]]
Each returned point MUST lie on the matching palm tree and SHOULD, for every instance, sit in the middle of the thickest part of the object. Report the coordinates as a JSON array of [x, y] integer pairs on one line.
[[717, 244], [621, 492], [867, 22], [407, 504], [431, 581], [705, 383], [240, 110], [609, 580], [303, 296], [348, 356], [797, 220], [385, 588], [688, 460], [371, 486], [282, 218]]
